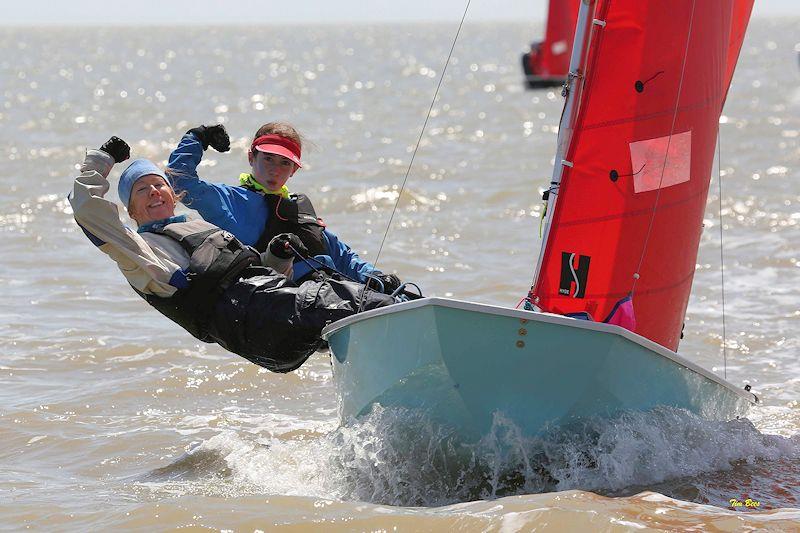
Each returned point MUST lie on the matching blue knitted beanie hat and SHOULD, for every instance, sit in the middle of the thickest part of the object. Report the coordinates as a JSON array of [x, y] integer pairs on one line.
[[137, 169]]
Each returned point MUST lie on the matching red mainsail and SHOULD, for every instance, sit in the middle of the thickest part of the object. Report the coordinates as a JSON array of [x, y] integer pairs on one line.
[[549, 59], [560, 31], [628, 209]]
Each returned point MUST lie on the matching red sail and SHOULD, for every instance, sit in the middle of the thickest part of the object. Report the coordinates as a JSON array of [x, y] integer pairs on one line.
[[629, 210], [560, 31], [549, 59]]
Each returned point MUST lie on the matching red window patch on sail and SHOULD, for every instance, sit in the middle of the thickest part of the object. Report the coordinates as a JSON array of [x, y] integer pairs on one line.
[[664, 161]]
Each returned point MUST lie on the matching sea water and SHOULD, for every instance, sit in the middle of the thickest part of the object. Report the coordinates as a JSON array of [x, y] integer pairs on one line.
[[112, 417]]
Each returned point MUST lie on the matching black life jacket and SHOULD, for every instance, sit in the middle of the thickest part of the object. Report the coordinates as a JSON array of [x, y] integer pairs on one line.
[[293, 215], [217, 259]]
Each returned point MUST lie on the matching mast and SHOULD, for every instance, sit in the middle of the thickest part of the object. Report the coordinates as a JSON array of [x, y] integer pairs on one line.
[[572, 90]]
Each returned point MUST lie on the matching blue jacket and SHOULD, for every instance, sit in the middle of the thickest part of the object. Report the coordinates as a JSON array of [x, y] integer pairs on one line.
[[244, 212]]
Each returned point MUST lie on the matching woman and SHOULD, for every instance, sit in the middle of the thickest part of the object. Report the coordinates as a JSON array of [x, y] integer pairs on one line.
[[201, 276], [261, 207]]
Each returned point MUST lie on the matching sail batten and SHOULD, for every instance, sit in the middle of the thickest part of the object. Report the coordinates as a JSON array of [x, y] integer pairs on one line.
[[628, 216]]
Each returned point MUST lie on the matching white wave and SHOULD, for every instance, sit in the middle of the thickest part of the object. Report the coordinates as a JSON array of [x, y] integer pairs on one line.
[[398, 457]]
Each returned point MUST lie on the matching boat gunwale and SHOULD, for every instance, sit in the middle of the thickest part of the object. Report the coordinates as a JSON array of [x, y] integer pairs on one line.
[[537, 316]]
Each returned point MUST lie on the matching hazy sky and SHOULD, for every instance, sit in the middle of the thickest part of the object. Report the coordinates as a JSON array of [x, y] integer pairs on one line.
[[72, 12]]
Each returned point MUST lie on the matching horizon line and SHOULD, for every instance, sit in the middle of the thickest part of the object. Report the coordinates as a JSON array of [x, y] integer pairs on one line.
[[233, 23]]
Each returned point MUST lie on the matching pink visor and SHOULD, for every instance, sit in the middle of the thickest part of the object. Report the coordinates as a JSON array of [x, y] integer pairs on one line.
[[276, 144]]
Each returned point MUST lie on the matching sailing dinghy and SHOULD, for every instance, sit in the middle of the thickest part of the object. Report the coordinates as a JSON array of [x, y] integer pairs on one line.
[[605, 312], [547, 62]]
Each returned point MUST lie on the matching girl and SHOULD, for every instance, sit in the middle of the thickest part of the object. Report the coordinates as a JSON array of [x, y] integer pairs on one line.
[[261, 206]]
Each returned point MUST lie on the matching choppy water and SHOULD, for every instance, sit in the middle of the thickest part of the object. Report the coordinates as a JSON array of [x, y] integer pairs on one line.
[[112, 417]]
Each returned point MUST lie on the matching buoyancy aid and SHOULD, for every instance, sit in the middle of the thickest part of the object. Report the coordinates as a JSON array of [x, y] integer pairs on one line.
[[217, 259], [293, 215]]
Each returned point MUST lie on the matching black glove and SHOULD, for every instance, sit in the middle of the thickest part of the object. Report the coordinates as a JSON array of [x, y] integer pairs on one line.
[[390, 281], [279, 246], [214, 136], [116, 148]]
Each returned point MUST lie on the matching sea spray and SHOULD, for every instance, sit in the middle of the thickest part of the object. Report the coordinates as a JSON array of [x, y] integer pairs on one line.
[[399, 457], [641, 448]]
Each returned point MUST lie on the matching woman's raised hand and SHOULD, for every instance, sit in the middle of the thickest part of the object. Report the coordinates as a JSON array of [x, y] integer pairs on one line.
[[117, 148], [214, 136]]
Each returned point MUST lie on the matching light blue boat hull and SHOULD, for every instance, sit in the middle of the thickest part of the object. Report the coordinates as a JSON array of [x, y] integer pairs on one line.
[[463, 362]]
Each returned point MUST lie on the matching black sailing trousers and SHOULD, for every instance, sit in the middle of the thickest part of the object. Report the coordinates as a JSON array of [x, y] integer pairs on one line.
[[275, 323]]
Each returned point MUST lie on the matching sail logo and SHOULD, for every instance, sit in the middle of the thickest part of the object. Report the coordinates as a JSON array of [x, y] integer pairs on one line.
[[573, 276]]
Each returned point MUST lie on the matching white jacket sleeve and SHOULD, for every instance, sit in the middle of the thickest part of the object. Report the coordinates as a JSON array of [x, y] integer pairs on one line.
[[99, 218], [278, 264]]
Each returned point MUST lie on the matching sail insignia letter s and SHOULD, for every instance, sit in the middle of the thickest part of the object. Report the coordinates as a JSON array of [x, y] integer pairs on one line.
[[572, 275]]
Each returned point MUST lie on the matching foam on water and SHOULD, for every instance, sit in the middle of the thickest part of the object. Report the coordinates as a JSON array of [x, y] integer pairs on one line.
[[398, 457]]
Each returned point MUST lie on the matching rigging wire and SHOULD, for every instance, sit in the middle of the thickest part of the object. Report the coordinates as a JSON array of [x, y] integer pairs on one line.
[[421, 133], [722, 256], [666, 152], [721, 74]]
